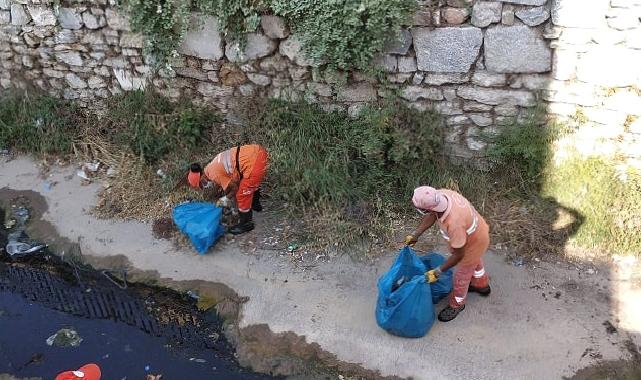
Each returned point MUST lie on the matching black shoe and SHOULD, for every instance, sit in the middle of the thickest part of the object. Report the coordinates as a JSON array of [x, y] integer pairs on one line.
[[245, 224], [449, 313], [482, 291], [256, 206]]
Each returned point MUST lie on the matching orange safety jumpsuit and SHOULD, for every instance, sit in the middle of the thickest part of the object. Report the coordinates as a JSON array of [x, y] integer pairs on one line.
[[463, 227], [250, 169]]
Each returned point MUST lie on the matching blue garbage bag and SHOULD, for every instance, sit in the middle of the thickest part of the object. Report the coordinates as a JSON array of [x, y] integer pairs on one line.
[[200, 222], [443, 286], [404, 306]]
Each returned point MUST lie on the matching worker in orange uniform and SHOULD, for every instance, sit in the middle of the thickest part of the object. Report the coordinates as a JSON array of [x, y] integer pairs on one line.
[[239, 171], [468, 236], [86, 372]]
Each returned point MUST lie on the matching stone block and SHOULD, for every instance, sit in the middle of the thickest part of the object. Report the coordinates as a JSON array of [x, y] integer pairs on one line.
[[414, 93], [623, 66], [273, 64], [455, 16], [607, 36], [579, 13], [274, 26], [205, 42], [19, 16], [477, 107], [96, 82], [42, 15], [485, 13], [92, 21], [75, 81], [482, 120], [72, 58], [571, 92], [494, 96], [190, 72], [488, 79], [533, 16], [399, 77], [525, 2], [5, 17], [131, 40], [507, 15], [633, 39], [93, 38], [387, 62], [259, 79], [258, 46], [449, 108], [506, 110], [417, 78], [564, 64], [516, 49], [623, 19], [292, 49], [447, 50], [5, 5], [358, 92], [531, 81], [406, 64], [437, 79], [128, 81], [457, 120], [400, 44], [320, 89], [422, 17], [117, 21]]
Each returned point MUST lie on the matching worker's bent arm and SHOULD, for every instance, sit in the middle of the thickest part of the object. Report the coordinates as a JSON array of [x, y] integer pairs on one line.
[[457, 255], [231, 190], [427, 222]]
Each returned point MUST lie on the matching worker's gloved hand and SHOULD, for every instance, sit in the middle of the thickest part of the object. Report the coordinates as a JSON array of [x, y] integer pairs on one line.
[[223, 202], [433, 275], [410, 240]]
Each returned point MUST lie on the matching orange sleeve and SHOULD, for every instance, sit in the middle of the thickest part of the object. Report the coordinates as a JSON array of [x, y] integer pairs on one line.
[[458, 236]]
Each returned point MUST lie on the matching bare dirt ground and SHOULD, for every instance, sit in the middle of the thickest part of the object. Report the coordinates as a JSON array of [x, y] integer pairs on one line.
[[544, 320]]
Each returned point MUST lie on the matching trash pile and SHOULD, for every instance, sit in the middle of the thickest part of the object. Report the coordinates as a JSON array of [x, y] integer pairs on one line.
[[65, 338], [18, 245]]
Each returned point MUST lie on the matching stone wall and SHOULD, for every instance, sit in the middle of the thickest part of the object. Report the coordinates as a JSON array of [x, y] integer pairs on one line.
[[479, 63]]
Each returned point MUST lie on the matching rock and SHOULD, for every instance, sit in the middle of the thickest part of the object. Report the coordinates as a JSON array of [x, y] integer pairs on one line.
[[533, 16], [274, 26], [232, 75], [624, 3], [531, 81], [53, 73], [447, 50], [259, 79], [131, 40], [482, 120], [215, 91], [5, 5], [422, 17], [128, 81], [417, 78], [525, 2], [494, 96], [387, 62], [449, 108], [65, 338], [564, 64], [65, 36], [69, 18], [320, 89], [485, 13], [292, 49], [92, 21], [205, 42], [414, 93], [622, 67], [93, 38], [487, 79], [358, 92], [72, 58], [258, 46], [399, 77], [273, 64], [607, 36], [42, 16], [75, 81], [406, 64], [5, 17], [457, 120], [570, 92], [475, 144], [455, 16], [437, 79], [633, 39], [96, 82], [355, 110], [516, 49], [18, 15], [191, 72], [624, 19], [117, 21], [564, 13], [507, 15], [506, 110], [400, 44], [449, 93]]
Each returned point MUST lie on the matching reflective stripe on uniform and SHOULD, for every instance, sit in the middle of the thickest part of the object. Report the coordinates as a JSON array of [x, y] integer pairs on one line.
[[479, 273], [469, 231]]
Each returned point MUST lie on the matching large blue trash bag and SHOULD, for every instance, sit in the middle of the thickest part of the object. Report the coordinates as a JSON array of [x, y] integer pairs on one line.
[[405, 310], [443, 286], [200, 222]]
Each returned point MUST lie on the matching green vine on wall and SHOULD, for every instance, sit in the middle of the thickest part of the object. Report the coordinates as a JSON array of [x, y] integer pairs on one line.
[[341, 34]]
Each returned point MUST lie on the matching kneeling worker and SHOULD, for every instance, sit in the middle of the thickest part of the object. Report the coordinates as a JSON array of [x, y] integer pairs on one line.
[[468, 236], [239, 172]]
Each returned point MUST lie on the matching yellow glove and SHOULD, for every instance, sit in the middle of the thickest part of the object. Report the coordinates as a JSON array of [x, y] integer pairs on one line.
[[432, 275], [410, 240]]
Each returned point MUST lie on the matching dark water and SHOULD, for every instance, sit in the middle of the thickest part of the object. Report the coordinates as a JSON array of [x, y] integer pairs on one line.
[[128, 332]]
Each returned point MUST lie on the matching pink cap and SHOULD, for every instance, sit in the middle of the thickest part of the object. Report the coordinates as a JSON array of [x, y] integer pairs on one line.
[[428, 198]]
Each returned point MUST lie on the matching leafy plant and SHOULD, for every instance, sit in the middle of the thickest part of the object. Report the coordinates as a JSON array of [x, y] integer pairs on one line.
[[236, 17]]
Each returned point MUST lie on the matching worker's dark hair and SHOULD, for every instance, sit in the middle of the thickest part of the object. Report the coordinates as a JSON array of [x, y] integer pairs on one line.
[[195, 168]]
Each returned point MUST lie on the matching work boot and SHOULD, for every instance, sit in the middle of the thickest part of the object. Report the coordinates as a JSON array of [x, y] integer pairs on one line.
[[256, 206], [450, 313], [482, 291], [245, 224]]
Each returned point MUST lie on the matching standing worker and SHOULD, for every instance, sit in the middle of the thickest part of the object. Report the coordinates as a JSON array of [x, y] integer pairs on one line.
[[468, 236], [239, 172]]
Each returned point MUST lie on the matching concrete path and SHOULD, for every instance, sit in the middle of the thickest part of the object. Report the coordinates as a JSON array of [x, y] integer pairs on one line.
[[540, 322]]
